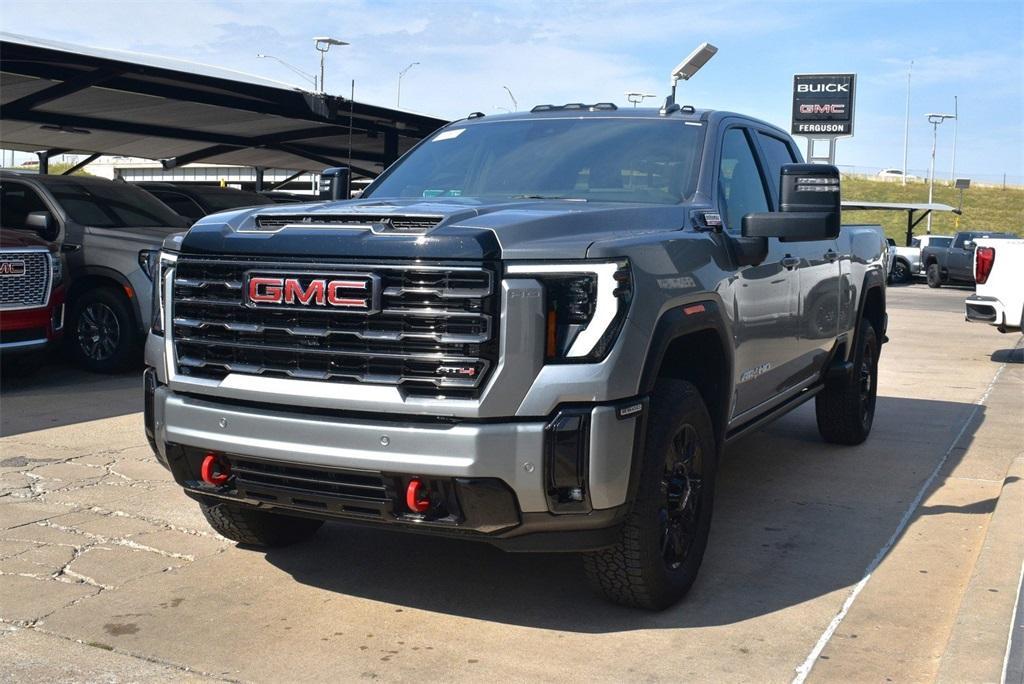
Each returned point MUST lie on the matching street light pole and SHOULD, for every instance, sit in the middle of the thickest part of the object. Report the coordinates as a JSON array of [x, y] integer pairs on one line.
[[398, 101], [515, 105], [906, 125], [956, 126], [323, 44], [309, 77], [934, 120]]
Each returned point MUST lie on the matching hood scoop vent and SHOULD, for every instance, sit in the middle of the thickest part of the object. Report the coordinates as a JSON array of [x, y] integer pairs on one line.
[[378, 223]]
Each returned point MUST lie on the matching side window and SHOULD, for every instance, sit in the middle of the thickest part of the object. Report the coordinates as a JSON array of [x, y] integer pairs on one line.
[[961, 238], [776, 153], [916, 242], [17, 201], [741, 189]]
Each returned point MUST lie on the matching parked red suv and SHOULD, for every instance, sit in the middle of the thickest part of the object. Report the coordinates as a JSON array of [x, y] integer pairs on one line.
[[31, 294]]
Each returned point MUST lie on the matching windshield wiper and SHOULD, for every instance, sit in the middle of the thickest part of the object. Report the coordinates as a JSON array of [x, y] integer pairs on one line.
[[550, 197]]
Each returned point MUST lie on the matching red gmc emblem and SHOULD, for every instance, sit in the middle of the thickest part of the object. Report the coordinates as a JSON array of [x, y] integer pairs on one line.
[[349, 292]]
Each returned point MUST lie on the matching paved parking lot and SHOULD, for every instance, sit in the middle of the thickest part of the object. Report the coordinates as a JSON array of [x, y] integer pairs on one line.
[[896, 560]]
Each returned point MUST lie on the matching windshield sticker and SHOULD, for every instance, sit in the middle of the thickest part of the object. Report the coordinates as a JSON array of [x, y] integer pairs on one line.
[[448, 135]]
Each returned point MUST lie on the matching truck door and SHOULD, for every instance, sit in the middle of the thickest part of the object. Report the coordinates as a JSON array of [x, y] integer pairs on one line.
[[960, 260], [818, 282], [765, 295]]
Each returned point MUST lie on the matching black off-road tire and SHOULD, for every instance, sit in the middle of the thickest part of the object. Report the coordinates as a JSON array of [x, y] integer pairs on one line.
[[900, 272], [934, 275], [846, 410], [637, 572], [258, 528], [102, 334]]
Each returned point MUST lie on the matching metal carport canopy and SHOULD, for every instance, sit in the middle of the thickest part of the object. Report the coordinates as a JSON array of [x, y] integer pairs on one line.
[[61, 98], [911, 208]]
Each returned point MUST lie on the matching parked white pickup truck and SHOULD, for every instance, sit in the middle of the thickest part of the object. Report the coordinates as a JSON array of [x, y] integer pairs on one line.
[[998, 298]]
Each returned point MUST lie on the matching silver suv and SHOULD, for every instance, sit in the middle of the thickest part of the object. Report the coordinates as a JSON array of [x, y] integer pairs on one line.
[[107, 231]]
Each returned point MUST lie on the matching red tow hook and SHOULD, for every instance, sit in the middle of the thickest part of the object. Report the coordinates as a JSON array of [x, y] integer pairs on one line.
[[416, 499], [215, 471]]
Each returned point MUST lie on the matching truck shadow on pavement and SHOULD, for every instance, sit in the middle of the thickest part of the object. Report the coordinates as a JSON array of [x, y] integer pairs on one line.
[[795, 519], [58, 394], [1015, 355]]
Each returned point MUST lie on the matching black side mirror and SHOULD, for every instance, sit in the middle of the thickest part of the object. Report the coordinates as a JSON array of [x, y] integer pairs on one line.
[[42, 223], [809, 203], [334, 183]]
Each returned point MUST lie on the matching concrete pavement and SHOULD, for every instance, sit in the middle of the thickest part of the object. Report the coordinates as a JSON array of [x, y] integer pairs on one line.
[[899, 559]]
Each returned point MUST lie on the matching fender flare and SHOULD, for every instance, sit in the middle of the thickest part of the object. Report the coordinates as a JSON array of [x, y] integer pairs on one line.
[[874, 279], [678, 322], [75, 289]]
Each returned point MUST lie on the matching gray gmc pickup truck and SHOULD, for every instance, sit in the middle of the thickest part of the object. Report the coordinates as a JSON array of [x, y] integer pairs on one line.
[[538, 330]]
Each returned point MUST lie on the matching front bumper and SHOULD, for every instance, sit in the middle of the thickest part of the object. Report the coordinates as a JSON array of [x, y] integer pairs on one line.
[[26, 330], [496, 473]]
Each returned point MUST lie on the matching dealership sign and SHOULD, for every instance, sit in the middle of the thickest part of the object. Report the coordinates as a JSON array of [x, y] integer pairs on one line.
[[823, 104]]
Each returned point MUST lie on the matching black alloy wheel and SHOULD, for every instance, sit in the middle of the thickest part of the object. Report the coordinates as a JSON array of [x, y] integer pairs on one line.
[[103, 333], [900, 272], [681, 492], [99, 333]]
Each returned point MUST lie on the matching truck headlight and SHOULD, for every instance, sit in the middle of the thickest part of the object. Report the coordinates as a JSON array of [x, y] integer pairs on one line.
[[585, 305], [161, 271]]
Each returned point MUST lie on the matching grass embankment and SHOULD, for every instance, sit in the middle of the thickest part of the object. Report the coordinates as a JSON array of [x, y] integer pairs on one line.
[[985, 208]]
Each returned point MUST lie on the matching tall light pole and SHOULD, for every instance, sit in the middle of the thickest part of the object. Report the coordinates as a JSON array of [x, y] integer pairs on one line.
[[515, 105], [398, 101], [323, 44], [309, 77], [934, 120], [906, 125], [956, 126]]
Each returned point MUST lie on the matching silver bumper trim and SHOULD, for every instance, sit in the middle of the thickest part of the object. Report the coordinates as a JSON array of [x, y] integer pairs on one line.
[[510, 451]]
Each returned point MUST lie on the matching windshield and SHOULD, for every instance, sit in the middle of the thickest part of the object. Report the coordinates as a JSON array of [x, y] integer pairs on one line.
[[113, 205], [601, 159]]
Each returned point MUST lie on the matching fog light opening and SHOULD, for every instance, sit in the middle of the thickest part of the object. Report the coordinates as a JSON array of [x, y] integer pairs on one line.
[[215, 470]]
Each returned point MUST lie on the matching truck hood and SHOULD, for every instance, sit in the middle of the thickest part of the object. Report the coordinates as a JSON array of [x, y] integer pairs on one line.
[[145, 236], [466, 229]]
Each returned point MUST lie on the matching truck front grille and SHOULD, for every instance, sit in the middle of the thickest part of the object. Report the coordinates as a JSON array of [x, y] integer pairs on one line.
[[24, 279], [432, 329]]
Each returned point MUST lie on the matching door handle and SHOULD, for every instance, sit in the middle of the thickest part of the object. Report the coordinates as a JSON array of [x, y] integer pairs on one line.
[[790, 262], [831, 256], [67, 247]]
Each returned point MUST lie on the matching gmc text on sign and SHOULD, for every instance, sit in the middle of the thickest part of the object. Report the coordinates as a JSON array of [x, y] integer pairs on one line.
[[823, 104]]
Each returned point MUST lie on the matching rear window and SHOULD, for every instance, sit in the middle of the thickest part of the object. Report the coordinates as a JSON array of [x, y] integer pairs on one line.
[[113, 205]]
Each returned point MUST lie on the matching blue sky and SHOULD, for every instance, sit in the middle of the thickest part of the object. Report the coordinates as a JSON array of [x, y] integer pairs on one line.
[[558, 51]]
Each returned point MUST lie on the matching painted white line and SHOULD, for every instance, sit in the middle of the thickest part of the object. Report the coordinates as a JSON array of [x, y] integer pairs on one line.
[[805, 668], [1013, 626]]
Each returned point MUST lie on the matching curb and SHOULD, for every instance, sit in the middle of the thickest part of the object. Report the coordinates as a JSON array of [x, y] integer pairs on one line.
[[977, 643]]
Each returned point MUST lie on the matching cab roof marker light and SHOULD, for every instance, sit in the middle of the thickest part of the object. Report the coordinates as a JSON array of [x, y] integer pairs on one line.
[[607, 303]]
